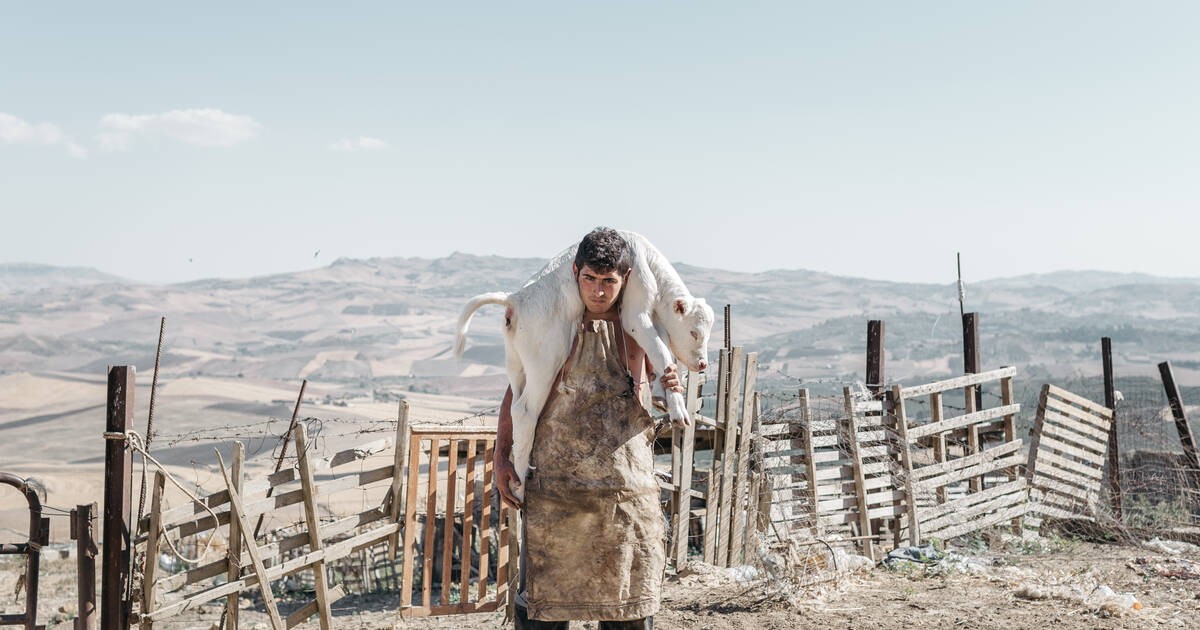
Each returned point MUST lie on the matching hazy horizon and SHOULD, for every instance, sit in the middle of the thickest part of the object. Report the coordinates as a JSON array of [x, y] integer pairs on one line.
[[869, 140]]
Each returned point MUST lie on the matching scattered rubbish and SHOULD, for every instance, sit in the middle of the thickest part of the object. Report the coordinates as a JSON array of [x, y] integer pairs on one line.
[[1171, 547], [1100, 599], [1178, 568], [743, 574], [935, 562]]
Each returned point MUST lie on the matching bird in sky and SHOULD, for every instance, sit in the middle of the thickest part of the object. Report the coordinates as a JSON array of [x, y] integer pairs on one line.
[[316, 252]]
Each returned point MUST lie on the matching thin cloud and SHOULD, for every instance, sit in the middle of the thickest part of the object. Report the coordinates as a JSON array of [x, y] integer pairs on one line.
[[199, 127], [15, 130], [362, 143]]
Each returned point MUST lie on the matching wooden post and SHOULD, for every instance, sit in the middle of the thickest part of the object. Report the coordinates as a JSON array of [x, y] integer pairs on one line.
[[309, 487], [400, 459], [1010, 434], [895, 406], [1110, 401], [683, 508], [728, 471], [114, 612], [970, 322], [810, 466], [150, 566], [712, 495], [235, 540], [754, 505], [85, 563], [741, 500], [860, 484], [237, 511], [1181, 420], [939, 439], [875, 378]]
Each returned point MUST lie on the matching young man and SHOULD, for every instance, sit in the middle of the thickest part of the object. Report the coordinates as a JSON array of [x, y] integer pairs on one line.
[[593, 529]]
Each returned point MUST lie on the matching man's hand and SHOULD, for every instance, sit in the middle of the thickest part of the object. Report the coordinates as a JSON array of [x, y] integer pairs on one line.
[[670, 379], [506, 474]]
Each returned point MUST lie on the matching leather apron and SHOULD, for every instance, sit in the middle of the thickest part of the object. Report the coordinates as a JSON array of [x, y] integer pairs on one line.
[[594, 530]]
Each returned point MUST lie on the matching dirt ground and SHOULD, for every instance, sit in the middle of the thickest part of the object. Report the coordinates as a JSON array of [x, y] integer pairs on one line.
[[704, 597]]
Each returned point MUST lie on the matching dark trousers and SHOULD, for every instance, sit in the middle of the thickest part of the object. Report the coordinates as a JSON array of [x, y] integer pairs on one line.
[[523, 622]]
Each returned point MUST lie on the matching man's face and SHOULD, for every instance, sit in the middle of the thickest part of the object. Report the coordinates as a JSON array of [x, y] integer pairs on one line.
[[599, 290]]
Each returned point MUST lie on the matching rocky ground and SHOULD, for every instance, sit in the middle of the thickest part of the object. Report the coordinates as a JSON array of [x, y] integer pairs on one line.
[[986, 587]]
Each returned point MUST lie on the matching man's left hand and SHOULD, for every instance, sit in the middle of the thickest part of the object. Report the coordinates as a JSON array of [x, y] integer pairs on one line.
[[670, 379]]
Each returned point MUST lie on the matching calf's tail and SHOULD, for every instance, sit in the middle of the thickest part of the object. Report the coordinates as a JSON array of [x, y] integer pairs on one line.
[[464, 320]]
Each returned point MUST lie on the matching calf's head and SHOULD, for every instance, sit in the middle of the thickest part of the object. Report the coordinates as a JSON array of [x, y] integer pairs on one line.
[[688, 327]]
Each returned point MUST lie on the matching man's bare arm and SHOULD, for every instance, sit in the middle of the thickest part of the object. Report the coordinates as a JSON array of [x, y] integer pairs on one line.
[[506, 473]]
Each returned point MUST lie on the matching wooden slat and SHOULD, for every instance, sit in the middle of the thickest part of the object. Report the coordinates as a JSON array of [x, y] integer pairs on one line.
[[687, 461], [485, 516], [931, 470], [508, 554], [454, 609], [964, 515], [1091, 461], [1090, 423], [150, 565], [330, 553], [234, 552], [956, 383], [1094, 408], [321, 589], [1005, 514], [410, 523], [356, 453], [856, 464], [899, 419], [430, 525], [713, 493], [1067, 470], [1078, 432], [399, 463], [448, 529], [966, 473], [264, 584], [740, 498], [883, 511], [733, 409], [809, 443], [757, 502], [970, 499], [300, 615], [973, 418], [464, 552], [441, 431]]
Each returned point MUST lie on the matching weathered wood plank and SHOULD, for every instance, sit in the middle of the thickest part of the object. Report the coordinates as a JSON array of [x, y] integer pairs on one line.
[[973, 418], [740, 497], [1094, 408], [687, 461], [448, 529], [464, 552], [410, 522], [1006, 514], [931, 470], [300, 615], [733, 409], [321, 589], [399, 463], [1091, 461], [957, 382], [485, 521], [899, 419], [430, 525], [150, 565], [713, 492], [235, 504], [964, 515], [961, 474], [234, 552]]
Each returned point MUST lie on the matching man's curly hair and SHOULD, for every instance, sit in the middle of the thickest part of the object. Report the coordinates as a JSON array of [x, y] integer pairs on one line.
[[603, 249]]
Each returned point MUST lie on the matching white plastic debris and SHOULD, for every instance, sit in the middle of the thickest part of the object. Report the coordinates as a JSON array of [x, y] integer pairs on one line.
[[743, 574], [1170, 547]]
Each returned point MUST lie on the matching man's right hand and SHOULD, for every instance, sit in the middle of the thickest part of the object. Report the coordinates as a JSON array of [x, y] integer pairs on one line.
[[506, 474]]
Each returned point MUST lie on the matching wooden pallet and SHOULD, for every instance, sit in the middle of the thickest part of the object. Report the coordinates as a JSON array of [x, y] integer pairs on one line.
[[1067, 453]]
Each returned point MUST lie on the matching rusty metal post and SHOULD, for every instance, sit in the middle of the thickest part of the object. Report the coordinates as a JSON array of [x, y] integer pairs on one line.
[[970, 324], [1186, 437], [114, 611], [39, 534], [1110, 401], [875, 330], [82, 519]]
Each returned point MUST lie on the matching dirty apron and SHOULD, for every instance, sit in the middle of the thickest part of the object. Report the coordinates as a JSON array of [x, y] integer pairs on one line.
[[595, 538]]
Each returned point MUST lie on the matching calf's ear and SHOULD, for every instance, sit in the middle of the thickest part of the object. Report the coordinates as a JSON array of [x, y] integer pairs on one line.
[[680, 307]]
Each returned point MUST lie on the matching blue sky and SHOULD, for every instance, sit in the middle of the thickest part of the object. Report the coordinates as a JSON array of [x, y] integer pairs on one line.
[[866, 139]]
